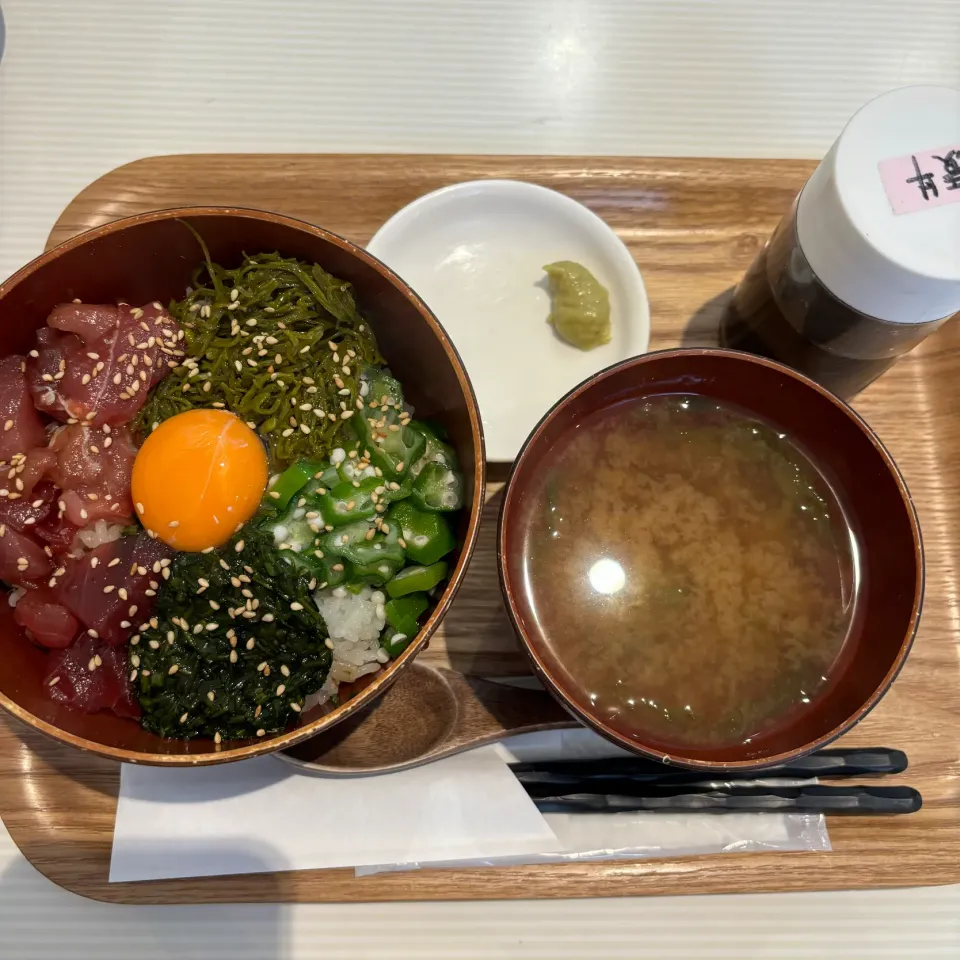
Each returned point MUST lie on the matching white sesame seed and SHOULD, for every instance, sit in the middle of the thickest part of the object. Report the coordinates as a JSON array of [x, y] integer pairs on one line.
[[173, 669], [216, 737]]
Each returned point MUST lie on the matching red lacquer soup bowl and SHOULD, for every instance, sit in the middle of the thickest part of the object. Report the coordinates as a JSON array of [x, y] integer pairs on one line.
[[877, 506]]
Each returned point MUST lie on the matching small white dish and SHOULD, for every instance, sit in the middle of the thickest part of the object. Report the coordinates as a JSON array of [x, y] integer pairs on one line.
[[475, 252]]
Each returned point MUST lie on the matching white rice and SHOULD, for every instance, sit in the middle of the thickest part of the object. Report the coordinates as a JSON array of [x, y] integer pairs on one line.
[[354, 622], [99, 533], [351, 473]]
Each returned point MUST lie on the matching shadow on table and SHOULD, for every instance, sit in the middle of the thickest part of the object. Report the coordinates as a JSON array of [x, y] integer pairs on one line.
[[703, 328]]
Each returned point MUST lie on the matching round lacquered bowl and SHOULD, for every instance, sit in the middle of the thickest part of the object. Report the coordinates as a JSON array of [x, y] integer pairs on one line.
[[151, 257], [861, 471]]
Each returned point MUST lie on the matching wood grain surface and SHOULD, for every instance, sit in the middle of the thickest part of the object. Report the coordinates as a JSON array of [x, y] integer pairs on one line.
[[693, 227]]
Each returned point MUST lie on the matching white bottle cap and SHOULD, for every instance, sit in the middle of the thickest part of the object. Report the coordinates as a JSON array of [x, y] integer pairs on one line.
[[879, 220]]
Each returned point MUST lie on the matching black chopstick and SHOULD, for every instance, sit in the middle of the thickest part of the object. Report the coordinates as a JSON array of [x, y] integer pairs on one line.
[[843, 801], [583, 776], [625, 784]]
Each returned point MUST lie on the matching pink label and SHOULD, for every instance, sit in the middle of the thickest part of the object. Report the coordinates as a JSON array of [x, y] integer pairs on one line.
[[918, 181]]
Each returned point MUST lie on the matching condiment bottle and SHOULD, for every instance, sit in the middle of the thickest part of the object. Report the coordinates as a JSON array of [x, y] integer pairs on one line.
[[867, 262]]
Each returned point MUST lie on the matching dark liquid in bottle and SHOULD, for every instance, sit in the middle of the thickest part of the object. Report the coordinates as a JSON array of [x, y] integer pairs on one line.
[[781, 310]]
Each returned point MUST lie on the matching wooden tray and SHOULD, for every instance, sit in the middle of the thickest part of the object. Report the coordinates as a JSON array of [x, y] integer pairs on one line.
[[693, 226]]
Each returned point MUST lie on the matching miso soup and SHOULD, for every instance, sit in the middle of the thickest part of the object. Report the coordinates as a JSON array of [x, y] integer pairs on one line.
[[690, 569]]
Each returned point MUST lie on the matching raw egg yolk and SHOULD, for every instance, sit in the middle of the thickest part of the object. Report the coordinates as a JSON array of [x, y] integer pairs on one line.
[[198, 477]]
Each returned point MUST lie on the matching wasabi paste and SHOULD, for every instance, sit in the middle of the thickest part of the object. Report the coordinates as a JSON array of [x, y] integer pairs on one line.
[[581, 305]]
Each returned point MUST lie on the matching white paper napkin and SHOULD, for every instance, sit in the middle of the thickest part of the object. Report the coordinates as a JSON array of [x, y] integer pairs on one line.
[[262, 815]]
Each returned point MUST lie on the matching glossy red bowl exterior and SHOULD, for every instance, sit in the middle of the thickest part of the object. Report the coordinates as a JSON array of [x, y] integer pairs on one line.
[[891, 591], [152, 257]]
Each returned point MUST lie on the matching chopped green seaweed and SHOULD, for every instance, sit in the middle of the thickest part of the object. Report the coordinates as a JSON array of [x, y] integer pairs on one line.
[[246, 639]]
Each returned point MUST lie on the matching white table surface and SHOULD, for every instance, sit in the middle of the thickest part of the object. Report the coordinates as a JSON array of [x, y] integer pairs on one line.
[[86, 85]]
